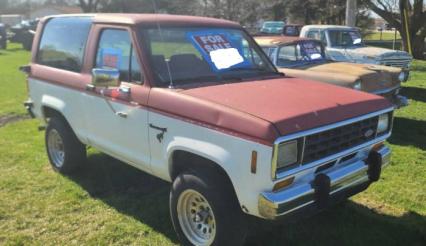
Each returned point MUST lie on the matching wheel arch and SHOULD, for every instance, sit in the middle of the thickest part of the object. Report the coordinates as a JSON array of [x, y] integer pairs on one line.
[[182, 160]]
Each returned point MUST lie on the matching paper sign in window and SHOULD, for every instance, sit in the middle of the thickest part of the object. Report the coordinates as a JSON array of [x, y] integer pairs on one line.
[[111, 58], [218, 49]]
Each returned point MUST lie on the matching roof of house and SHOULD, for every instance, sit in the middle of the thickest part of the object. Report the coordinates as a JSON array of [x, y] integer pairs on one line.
[[153, 19]]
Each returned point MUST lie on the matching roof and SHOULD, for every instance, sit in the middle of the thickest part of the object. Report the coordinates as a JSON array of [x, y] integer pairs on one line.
[[278, 40], [329, 27], [153, 19]]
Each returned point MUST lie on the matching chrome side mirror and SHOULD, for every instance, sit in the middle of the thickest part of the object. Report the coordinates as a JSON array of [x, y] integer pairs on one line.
[[102, 77]]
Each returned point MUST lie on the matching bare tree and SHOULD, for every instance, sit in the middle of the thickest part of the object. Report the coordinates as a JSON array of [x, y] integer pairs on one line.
[[89, 5], [391, 11]]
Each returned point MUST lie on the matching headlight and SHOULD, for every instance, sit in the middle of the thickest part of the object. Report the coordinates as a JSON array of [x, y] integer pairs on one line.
[[357, 85], [287, 154], [383, 124], [402, 77]]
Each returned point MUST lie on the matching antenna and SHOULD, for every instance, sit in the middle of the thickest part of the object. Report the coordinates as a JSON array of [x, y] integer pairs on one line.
[[171, 85]]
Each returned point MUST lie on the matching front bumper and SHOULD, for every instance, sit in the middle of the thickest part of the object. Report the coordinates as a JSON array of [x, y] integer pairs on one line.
[[325, 187]]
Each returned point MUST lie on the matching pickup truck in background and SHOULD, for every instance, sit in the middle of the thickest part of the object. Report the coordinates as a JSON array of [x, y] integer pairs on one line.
[[196, 102], [345, 44], [305, 58]]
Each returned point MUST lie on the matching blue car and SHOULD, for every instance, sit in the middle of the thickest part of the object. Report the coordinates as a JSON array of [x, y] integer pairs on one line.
[[272, 27]]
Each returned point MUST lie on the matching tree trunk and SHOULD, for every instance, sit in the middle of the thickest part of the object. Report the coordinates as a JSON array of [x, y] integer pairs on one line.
[[418, 46]]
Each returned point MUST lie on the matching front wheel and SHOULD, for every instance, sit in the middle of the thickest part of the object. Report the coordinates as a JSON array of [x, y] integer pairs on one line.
[[64, 150], [205, 212]]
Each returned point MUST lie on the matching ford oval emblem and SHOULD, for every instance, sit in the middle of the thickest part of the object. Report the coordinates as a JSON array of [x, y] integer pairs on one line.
[[368, 133]]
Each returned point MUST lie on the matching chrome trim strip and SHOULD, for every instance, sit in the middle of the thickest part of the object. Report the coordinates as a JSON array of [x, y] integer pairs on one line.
[[384, 91], [275, 175]]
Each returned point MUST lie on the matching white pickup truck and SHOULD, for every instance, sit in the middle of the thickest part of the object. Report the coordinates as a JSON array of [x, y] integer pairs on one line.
[[344, 44], [195, 101]]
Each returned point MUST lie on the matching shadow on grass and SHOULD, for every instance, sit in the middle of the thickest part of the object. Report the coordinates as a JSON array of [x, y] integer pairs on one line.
[[145, 198], [414, 93], [409, 132], [128, 190], [347, 223]]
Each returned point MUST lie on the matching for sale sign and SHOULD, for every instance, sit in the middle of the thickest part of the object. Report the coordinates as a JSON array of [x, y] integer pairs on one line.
[[212, 42], [219, 49]]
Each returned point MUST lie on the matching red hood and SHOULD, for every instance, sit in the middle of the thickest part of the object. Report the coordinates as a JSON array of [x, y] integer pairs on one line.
[[292, 104], [264, 110]]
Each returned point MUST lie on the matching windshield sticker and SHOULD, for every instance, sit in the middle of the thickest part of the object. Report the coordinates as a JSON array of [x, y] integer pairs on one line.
[[219, 49], [310, 50], [110, 58]]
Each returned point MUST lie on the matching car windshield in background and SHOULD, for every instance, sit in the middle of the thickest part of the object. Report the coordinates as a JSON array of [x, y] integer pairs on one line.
[[273, 24], [182, 55], [345, 38], [300, 53]]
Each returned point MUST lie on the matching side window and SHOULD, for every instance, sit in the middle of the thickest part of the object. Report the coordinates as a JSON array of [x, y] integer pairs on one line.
[[314, 35], [115, 50], [63, 43]]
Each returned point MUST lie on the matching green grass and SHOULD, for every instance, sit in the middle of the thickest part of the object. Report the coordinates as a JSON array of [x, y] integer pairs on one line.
[[12, 87], [107, 202], [386, 35]]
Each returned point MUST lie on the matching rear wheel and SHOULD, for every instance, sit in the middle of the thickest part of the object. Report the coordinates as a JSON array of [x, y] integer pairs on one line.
[[64, 150], [206, 212]]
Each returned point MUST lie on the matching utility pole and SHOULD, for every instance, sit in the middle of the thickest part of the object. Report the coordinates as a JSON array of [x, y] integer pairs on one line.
[[351, 11]]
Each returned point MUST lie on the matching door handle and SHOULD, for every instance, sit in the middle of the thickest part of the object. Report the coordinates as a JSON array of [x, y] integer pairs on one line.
[[160, 135], [121, 114]]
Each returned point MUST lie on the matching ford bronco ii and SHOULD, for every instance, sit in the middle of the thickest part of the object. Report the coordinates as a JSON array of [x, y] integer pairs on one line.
[[305, 58], [195, 101], [345, 44]]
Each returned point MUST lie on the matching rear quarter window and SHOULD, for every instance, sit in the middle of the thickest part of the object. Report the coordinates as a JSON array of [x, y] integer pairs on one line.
[[63, 43]]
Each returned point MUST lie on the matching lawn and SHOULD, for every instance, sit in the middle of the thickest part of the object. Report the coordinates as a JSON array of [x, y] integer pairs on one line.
[[107, 202], [386, 35]]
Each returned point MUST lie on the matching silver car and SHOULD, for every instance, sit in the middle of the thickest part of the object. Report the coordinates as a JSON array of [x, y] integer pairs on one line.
[[345, 44]]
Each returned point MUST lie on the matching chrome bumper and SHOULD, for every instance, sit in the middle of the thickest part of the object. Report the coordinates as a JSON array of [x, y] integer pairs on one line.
[[273, 205]]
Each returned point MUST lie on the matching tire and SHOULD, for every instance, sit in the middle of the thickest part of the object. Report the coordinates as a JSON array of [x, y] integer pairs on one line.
[[64, 150], [212, 210]]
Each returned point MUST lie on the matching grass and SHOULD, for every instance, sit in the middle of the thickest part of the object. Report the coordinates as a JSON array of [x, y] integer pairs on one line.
[[386, 35], [107, 202]]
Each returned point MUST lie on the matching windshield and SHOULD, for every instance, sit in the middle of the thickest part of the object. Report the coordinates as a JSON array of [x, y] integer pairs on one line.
[[345, 38], [273, 24], [300, 53], [181, 55]]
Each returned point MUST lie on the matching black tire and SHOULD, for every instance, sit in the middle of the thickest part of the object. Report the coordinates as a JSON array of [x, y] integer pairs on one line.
[[230, 222], [74, 152]]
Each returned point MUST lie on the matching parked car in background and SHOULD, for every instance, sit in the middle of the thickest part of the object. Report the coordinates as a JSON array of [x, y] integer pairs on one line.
[[305, 58], [3, 36], [234, 136], [272, 27], [345, 44], [292, 30], [24, 33]]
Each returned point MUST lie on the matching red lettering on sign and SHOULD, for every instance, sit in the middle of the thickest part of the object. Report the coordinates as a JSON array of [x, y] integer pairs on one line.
[[212, 42], [110, 61]]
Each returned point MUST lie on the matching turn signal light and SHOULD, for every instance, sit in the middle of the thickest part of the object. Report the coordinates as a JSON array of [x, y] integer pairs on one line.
[[283, 184]]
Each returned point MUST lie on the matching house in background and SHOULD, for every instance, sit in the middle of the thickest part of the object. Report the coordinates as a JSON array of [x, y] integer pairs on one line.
[[53, 10]]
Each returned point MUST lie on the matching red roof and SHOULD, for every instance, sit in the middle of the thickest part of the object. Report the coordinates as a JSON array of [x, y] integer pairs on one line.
[[153, 19]]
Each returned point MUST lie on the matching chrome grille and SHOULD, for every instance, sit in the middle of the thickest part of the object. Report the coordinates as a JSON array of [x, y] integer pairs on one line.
[[323, 144], [396, 62]]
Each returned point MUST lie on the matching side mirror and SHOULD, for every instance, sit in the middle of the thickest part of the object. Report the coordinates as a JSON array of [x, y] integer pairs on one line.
[[102, 77]]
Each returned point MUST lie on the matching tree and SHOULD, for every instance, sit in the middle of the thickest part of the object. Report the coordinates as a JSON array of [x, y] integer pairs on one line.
[[392, 12], [89, 5]]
